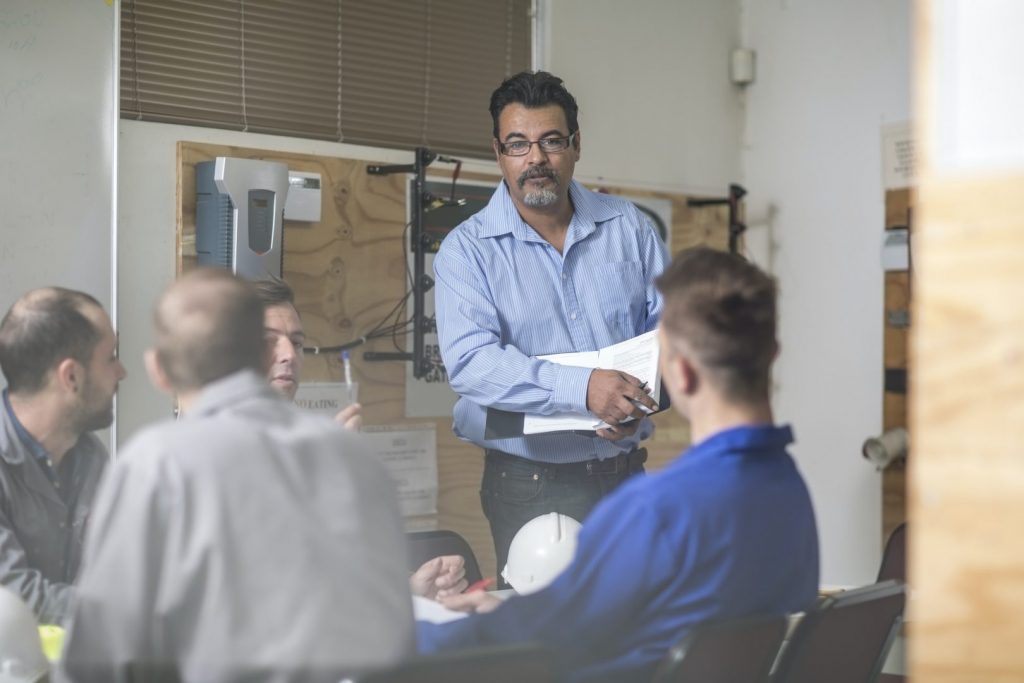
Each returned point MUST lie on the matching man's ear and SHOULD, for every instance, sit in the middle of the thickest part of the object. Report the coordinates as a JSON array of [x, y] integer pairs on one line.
[[156, 372], [576, 144], [689, 379], [69, 375], [495, 145]]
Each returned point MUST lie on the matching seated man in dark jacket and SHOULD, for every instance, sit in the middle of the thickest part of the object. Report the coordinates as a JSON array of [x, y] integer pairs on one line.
[[59, 355]]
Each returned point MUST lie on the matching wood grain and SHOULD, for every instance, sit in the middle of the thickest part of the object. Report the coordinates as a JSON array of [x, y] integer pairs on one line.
[[967, 419], [348, 270], [895, 340]]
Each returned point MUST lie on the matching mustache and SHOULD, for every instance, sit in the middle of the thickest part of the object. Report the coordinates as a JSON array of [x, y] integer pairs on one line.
[[537, 172]]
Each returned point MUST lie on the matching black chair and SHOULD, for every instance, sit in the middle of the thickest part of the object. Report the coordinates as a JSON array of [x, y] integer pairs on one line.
[[737, 651], [845, 639], [894, 557], [520, 663], [426, 545]]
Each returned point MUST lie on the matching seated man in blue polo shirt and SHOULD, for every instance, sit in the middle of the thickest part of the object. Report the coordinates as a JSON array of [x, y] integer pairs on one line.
[[725, 530]]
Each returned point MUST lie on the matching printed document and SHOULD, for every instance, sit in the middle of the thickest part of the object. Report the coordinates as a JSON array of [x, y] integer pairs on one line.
[[637, 356]]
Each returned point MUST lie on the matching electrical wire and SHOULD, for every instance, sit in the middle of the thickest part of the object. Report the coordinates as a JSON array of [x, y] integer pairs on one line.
[[380, 329]]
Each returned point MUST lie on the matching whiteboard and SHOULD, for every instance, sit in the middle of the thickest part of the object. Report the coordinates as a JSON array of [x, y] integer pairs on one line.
[[58, 122]]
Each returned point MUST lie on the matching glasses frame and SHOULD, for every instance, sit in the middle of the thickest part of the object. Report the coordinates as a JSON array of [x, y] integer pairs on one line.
[[503, 146]]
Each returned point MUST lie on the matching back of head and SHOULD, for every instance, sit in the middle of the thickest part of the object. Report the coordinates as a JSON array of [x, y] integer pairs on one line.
[[21, 651], [534, 89], [43, 328], [721, 309], [208, 324]]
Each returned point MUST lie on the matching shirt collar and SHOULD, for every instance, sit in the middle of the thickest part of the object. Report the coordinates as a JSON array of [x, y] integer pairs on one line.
[[746, 438], [229, 391], [500, 216], [35, 448]]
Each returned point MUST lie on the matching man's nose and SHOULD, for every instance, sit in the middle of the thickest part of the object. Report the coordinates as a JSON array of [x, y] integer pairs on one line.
[[284, 351], [536, 155], [121, 372]]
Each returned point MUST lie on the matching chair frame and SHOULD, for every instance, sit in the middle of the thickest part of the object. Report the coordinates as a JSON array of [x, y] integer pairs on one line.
[[677, 664], [793, 652]]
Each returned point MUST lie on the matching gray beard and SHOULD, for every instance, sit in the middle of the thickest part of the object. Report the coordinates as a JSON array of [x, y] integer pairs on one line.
[[540, 199]]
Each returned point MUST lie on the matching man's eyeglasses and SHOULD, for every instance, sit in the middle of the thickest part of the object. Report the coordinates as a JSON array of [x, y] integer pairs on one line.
[[519, 148]]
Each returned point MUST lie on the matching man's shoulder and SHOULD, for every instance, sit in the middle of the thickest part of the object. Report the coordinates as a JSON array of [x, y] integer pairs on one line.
[[602, 204]]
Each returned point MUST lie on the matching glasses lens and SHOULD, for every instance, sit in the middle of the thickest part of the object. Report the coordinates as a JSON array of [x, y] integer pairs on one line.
[[517, 148], [554, 144]]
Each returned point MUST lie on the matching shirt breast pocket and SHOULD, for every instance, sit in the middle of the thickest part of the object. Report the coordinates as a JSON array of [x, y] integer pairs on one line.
[[624, 298]]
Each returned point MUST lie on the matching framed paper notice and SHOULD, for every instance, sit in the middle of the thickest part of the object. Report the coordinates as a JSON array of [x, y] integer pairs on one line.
[[410, 454]]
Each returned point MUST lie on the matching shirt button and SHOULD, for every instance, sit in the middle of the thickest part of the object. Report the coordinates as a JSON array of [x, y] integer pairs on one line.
[[564, 276], [573, 315]]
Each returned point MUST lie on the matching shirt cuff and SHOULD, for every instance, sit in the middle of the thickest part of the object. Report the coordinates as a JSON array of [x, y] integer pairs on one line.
[[570, 392]]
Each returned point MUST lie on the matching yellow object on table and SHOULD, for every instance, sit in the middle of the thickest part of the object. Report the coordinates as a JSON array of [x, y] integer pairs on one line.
[[52, 638]]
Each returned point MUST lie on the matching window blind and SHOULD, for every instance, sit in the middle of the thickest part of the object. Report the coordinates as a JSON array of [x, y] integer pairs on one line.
[[388, 73]]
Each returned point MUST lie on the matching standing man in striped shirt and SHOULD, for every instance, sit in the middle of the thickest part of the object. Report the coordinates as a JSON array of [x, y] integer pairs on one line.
[[546, 267]]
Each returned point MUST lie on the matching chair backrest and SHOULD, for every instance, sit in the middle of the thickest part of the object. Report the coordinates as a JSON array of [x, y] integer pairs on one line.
[[894, 558], [426, 545], [737, 651], [519, 663], [845, 638]]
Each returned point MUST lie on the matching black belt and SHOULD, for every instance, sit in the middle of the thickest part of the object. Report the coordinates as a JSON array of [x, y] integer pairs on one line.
[[623, 462]]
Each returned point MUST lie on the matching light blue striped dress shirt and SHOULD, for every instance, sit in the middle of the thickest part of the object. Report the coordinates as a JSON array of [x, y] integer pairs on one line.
[[504, 295]]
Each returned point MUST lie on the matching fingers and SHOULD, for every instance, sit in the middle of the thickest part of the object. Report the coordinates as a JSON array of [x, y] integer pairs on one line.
[[450, 577], [471, 602], [459, 587], [619, 431], [617, 396], [350, 417], [610, 434]]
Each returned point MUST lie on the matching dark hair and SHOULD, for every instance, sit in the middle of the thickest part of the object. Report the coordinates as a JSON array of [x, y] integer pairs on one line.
[[274, 292], [209, 324], [723, 309], [43, 328], [534, 89]]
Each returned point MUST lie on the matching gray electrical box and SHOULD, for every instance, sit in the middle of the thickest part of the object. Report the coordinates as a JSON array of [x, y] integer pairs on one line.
[[240, 215]]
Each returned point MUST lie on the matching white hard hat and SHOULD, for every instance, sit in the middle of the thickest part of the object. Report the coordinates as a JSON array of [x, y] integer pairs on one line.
[[21, 652], [540, 551]]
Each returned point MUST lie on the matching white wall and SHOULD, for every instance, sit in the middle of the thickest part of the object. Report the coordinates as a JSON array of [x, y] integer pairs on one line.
[[829, 75], [651, 78], [57, 123]]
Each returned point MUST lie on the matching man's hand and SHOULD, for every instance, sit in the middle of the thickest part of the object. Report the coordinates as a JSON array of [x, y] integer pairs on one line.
[[477, 601], [619, 431], [350, 417], [440, 577], [611, 395]]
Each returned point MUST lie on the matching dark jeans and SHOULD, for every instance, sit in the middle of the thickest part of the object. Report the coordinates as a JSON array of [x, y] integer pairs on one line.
[[515, 490]]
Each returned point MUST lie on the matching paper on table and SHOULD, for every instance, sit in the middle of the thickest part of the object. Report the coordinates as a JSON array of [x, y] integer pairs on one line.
[[424, 609], [637, 356]]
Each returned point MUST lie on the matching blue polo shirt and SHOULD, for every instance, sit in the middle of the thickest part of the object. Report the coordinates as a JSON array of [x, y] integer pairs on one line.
[[726, 530]]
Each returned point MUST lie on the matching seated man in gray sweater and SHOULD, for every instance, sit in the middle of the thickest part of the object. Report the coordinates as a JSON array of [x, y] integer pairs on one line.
[[236, 542]]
